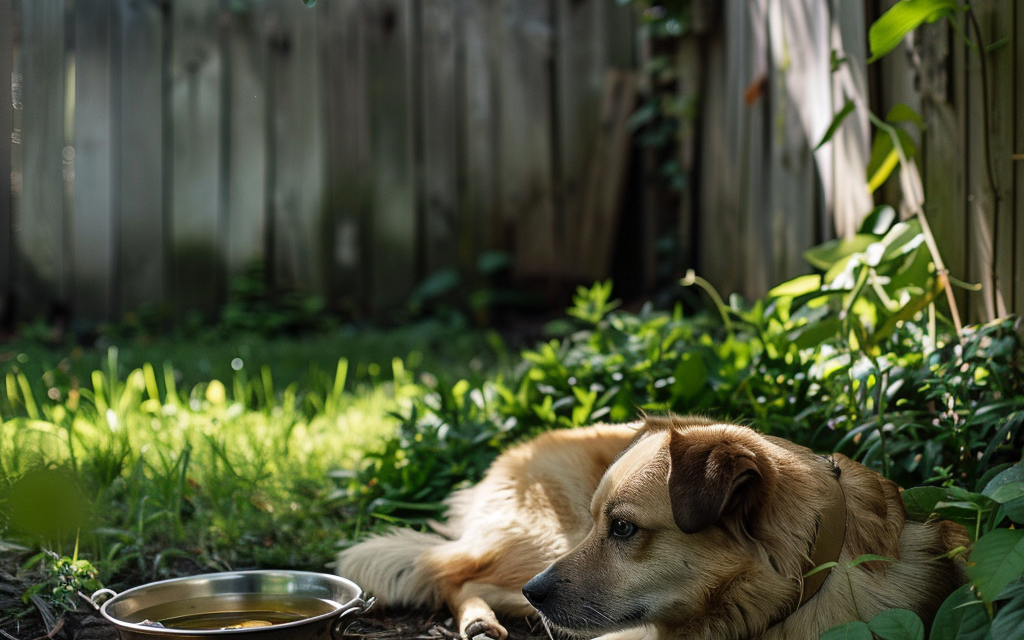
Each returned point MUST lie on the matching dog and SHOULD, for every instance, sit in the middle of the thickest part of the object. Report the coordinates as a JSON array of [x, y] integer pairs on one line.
[[672, 527]]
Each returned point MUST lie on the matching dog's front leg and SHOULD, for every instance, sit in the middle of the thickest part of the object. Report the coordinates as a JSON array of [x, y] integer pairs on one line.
[[473, 614], [476, 618]]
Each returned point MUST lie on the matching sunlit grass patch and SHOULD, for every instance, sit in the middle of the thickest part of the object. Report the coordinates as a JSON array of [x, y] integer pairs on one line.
[[223, 474]]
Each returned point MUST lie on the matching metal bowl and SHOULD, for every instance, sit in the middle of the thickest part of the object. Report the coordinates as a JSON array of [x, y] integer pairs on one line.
[[313, 606]]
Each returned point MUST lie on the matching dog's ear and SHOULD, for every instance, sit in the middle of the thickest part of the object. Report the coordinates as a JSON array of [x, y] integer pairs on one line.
[[707, 477]]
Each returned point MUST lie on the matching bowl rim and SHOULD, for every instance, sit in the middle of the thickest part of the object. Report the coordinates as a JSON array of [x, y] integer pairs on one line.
[[339, 610]]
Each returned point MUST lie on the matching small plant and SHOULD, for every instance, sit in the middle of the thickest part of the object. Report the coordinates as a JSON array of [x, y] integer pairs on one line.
[[66, 578], [254, 306]]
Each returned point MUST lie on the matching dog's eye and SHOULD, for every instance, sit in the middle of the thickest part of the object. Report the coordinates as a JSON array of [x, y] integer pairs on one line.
[[622, 528]]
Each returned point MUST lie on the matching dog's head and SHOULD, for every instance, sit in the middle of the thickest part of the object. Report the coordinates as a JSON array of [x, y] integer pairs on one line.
[[698, 527]]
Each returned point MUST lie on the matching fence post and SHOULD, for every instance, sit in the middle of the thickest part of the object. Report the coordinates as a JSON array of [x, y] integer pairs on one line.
[[93, 234], [41, 245], [6, 133]]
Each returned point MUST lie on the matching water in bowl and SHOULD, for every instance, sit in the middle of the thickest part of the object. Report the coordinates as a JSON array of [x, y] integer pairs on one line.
[[234, 611]]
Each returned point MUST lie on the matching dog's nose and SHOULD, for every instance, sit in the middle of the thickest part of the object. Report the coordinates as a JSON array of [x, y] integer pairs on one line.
[[536, 590]]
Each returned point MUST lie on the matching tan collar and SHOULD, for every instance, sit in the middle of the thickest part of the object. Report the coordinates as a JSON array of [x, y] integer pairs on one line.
[[829, 542]]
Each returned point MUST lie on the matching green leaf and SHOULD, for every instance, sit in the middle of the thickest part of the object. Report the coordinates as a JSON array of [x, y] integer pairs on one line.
[[815, 333], [1009, 622], [902, 239], [961, 617], [920, 501], [1014, 510], [691, 376], [879, 221], [1007, 486], [492, 262], [885, 158], [905, 16], [915, 272], [902, 113], [836, 121], [868, 557], [821, 567], [897, 624], [828, 253], [855, 630], [797, 287], [996, 559]]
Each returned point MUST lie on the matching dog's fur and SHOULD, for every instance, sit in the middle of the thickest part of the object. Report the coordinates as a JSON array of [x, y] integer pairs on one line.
[[723, 519]]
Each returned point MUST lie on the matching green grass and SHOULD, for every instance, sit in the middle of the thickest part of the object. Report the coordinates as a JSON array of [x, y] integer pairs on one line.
[[166, 458]]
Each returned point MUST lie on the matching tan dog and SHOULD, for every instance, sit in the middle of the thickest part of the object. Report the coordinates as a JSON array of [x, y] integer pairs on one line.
[[696, 530]]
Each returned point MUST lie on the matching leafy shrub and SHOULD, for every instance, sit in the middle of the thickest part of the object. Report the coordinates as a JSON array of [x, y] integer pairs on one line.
[[854, 359]]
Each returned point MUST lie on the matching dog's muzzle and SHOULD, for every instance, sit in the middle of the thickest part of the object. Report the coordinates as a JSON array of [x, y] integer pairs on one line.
[[538, 589]]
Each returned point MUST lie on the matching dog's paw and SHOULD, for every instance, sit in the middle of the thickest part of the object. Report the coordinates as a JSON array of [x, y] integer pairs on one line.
[[484, 627]]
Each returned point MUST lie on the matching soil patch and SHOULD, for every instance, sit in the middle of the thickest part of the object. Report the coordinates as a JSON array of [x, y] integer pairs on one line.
[[21, 621]]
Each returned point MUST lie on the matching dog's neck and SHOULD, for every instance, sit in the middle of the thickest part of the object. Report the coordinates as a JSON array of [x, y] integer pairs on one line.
[[828, 544]]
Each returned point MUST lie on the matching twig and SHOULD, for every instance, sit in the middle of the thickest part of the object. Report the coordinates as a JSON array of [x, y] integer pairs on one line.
[[52, 632]]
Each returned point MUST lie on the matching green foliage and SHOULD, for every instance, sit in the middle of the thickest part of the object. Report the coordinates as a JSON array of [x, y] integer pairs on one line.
[[992, 604], [255, 307], [657, 120], [65, 579], [844, 361], [902, 18], [892, 624]]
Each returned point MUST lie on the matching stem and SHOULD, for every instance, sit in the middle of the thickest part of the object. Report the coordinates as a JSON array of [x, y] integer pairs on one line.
[[723, 310]]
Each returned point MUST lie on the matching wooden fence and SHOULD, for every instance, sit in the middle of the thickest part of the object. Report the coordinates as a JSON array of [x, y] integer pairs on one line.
[[355, 147], [358, 146], [764, 71]]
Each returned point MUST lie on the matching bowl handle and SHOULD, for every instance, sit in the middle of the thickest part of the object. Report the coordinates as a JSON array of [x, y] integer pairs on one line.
[[358, 608], [99, 594]]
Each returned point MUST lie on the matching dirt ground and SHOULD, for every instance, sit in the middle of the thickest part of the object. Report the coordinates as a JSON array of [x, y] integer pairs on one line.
[[19, 621], [397, 625]]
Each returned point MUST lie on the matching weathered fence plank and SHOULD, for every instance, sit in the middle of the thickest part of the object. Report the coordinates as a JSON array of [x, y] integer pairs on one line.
[[591, 238], [525, 163], [942, 148], [40, 253], [246, 57], [579, 85], [94, 232], [988, 158], [302, 227], [478, 127], [389, 69], [348, 149], [1003, 120], [1018, 159], [439, 151], [196, 145], [898, 71], [6, 142], [801, 50], [850, 146], [733, 55], [360, 145], [141, 191]]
